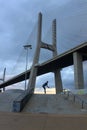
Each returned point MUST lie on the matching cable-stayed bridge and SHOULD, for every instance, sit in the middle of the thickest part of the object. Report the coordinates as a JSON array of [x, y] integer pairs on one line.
[[60, 61], [73, 56]]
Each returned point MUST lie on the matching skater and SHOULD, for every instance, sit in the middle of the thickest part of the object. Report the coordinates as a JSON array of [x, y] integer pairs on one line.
[[44, 86]]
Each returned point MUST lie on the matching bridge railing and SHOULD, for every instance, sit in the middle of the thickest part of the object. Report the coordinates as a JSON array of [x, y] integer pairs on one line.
[[75, 98]]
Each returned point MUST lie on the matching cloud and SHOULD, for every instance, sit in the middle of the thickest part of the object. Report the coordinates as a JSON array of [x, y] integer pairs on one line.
[[68, 77]]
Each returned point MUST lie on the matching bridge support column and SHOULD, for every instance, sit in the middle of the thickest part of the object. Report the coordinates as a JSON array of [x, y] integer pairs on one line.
[[58, 81], [78, 70], [57, 74]]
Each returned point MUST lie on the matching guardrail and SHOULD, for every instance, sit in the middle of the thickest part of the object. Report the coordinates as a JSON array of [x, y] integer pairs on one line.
[[75, 97]]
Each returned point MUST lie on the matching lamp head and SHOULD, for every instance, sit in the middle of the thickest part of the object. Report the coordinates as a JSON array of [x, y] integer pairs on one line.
[[28, 46]]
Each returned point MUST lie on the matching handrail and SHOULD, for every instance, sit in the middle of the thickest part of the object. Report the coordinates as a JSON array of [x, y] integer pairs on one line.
[[76, 97]]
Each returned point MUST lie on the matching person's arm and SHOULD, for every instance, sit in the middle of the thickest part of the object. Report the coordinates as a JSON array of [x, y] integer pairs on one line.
[[48, 86]]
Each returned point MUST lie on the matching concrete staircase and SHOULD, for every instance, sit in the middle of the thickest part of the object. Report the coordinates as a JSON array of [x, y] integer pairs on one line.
[[57, 104], [43, 103]]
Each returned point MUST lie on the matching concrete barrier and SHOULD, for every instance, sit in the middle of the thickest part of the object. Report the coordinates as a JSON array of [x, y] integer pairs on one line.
[[20, 101]]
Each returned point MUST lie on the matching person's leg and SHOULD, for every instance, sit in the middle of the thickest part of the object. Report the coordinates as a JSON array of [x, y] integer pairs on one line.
[[44, 90]]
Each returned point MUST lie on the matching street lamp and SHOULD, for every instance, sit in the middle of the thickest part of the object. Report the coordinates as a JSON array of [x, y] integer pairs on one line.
[[3, 79], [26, 47]]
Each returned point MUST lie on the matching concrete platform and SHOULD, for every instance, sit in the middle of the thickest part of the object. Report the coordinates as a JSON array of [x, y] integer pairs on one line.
[[26, 121]]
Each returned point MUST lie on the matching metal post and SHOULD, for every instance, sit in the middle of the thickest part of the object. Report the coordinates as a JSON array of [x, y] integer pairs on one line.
[[4, 77], [82, 104]]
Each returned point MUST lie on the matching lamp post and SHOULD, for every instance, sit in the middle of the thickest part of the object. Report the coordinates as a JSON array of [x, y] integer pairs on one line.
[[26, 47], [3, 79]]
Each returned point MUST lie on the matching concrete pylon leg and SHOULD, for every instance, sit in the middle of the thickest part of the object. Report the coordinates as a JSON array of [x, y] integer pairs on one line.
[[33, 74], [57, 74], [78, 70], [58, 81]]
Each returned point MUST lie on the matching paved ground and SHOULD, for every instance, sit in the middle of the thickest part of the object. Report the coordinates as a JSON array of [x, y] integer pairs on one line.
[[26, 121]]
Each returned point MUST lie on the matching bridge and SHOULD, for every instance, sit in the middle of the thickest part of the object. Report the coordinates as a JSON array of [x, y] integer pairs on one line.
[[60, 61]]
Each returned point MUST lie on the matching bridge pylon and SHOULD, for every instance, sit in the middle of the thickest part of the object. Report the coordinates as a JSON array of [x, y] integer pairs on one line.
[[57, 74], [53, 48]]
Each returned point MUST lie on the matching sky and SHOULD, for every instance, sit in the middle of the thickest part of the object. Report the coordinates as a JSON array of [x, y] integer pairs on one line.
[[18, 26]]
